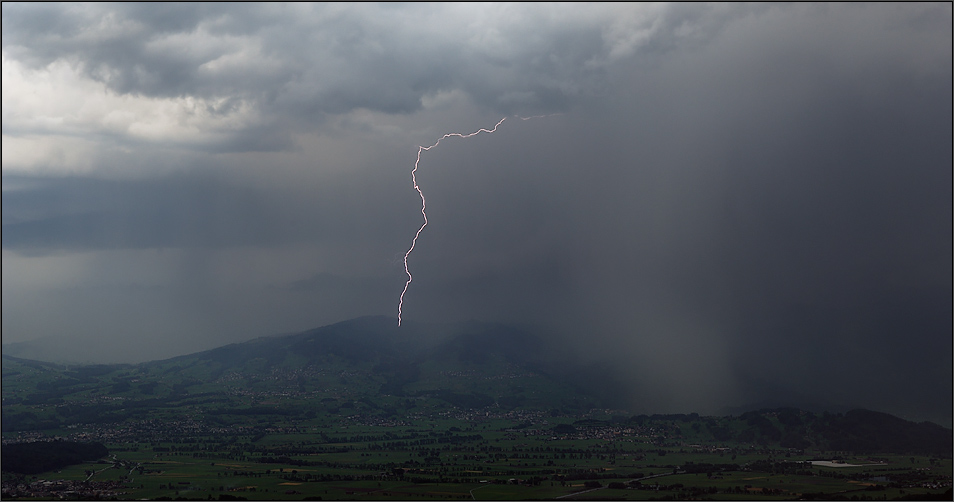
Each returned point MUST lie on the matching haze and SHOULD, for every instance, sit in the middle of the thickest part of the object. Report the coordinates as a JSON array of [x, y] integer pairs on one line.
[[727, 205]]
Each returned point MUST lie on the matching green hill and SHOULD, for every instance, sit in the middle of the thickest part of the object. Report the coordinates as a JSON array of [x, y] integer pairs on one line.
[[368, 369], [366, 364]]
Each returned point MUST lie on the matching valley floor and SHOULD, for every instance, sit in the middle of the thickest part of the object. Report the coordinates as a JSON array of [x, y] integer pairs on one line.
[[467, 458]]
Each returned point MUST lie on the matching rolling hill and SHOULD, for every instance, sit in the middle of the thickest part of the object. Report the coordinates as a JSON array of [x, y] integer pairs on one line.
[[368, 370]]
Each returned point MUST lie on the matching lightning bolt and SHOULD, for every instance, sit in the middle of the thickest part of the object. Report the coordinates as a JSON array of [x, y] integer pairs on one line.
[[420, 150]]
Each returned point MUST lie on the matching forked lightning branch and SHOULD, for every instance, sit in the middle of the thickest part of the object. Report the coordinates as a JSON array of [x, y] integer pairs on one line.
[[417, 162]]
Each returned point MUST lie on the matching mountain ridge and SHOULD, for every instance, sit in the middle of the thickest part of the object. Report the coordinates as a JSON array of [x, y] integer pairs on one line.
[[370, 367]]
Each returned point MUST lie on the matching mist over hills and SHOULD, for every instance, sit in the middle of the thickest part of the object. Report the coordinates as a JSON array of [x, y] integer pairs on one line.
[[465, 363], [363, 395], [495, 362], [371, 367]]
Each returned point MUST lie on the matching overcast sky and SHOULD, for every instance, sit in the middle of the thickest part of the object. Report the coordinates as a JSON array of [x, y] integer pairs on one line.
[[733, 204]]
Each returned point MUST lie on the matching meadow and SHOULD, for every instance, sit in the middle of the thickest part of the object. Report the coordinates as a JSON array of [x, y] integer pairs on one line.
[[481, 457]]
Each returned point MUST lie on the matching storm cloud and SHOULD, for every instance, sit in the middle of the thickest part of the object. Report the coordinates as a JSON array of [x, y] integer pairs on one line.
[[727, 205]]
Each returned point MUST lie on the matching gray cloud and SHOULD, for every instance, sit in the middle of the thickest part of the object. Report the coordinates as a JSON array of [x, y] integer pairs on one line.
[[741, 206], [323, 59], [298, 64]]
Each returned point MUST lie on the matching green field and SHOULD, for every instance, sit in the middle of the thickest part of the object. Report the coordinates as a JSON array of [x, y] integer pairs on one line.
[[480, 459]]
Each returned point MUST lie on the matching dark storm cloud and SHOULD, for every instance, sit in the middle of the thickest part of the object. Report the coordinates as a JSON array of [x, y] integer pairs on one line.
[[121, 45], [326, 59], [808, 223], [307, 61], [761, 222], [745, 206]]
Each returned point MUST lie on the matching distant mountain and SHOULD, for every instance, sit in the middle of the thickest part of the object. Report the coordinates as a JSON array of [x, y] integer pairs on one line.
[[865, 430], [368, 369], [488, 359], [368, 365], [61, 349], [71, 350]]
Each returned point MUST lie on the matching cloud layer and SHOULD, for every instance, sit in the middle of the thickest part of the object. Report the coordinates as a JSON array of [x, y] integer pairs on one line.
[[732, 205]]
